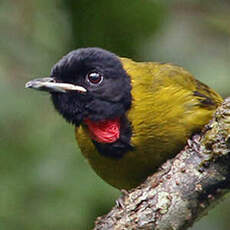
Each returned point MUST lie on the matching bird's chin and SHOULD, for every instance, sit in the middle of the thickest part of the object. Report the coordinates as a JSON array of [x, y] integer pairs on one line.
[[73, 121], [69, 107]]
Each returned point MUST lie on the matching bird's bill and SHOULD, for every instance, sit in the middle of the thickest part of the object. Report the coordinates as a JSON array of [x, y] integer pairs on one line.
[[50, 85]]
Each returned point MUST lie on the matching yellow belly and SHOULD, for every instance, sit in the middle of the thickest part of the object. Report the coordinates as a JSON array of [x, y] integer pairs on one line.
[[152, 146]]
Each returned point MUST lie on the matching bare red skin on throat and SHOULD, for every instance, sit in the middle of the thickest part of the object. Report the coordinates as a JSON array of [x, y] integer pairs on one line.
[[104, 131]]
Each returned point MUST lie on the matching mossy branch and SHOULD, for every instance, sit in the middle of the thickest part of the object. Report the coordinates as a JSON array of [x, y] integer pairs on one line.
[[184, 188]]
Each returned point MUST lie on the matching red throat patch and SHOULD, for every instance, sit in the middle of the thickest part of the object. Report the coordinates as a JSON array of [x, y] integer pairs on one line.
[[104, 131]]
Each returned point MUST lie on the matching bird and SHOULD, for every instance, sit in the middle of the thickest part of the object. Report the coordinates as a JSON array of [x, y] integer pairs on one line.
[[129, 117]]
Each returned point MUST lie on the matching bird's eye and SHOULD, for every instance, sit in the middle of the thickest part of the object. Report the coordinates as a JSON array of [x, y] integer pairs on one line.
[[94, 78]]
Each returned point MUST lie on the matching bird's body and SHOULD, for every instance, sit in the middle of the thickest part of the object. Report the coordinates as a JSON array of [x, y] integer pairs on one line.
[[184, 105], [162, 106]]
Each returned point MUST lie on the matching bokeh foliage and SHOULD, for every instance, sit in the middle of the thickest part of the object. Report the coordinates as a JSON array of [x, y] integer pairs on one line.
[[119, 26], [45, 183]]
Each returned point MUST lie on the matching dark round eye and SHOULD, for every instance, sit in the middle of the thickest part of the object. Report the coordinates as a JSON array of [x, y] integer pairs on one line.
[[94, 78]]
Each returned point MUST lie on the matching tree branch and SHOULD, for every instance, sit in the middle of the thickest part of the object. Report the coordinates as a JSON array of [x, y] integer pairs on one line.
[[184, 188]]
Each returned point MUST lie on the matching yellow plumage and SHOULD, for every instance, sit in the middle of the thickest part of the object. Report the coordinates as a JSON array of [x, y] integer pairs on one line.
[[168, 106]]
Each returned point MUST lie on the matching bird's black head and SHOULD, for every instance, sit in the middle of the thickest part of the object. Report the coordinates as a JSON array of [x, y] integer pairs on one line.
[[108, 88]]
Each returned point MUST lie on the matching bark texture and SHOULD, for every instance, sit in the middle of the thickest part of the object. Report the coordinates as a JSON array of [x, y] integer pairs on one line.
[[184, 188]]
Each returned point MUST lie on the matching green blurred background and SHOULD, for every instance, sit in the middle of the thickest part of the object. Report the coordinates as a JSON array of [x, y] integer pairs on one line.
[[45, 183]]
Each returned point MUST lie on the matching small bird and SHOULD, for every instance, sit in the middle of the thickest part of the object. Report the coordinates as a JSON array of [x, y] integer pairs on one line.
[[129, 117]]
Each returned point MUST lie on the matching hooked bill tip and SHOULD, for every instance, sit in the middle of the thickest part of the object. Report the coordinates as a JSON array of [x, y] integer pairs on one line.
[[28, 84]]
